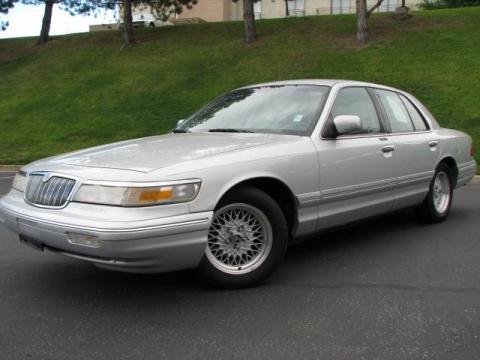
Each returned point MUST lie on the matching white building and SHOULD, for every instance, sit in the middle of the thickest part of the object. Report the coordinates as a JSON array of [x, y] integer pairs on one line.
[[226, 10]]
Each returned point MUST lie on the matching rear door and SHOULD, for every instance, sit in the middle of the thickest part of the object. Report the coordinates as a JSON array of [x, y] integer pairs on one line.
[[416, 147]]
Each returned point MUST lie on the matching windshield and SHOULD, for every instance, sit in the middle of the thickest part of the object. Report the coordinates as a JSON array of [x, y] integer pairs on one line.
[[288, 109]]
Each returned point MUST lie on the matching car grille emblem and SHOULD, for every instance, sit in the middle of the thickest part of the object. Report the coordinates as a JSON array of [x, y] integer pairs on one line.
[[48, 190]]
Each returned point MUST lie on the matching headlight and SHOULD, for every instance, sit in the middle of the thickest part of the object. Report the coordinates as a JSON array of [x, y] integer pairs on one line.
[[167, 193], [20, 181]]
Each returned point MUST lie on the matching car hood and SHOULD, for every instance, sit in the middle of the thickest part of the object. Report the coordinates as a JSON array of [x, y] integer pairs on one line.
[[152, 153]]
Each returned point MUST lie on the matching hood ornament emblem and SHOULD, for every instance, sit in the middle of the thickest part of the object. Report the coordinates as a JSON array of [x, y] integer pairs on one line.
[[46, 177]]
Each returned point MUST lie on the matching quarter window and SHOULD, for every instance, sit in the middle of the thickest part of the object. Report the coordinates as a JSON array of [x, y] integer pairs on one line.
[[357, 101], [396, 112], [416, 117]]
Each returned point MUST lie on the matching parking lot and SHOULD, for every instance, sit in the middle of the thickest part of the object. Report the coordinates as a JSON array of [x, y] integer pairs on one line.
[[392, 288]]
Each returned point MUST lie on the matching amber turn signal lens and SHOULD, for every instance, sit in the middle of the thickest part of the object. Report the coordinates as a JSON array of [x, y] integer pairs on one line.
[[156, 195]]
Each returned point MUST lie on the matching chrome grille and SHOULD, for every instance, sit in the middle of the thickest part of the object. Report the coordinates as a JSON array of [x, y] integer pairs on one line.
[[51, 193]]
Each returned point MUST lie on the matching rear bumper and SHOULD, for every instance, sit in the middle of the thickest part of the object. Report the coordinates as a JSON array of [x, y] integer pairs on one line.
[[157, 245], [466, 172]]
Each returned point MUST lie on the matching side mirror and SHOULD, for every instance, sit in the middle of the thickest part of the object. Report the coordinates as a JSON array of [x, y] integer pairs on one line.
[[179, 122], [347, 124]]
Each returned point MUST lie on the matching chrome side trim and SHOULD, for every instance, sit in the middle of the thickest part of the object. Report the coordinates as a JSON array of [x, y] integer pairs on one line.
[[352, 191], [205, 220], [385, 134], [416, 178], [308, 199]]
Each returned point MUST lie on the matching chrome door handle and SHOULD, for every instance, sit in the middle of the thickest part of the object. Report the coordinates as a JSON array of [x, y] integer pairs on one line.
[[388, 148], [433, 143]]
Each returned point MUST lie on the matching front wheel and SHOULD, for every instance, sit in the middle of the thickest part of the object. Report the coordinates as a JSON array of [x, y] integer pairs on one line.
[[436, 206], [246, 241]]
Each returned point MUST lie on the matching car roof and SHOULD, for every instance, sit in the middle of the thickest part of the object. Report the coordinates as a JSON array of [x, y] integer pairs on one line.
[[321, 82]]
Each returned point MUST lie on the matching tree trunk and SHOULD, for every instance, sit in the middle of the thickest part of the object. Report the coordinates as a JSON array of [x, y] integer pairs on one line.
[[403, 3], [47, 19], [128, 39], [287, 13], [362, 17], [249, 21]]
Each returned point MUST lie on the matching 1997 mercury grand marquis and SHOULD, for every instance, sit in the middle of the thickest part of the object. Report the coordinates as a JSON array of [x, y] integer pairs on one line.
[[232, 185]]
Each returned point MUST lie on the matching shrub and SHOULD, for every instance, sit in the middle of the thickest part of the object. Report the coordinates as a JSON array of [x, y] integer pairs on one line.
[[442, 4]]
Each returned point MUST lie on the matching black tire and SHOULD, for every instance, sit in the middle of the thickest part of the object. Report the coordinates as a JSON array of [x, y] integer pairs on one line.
[[262, 202], [427, 211]]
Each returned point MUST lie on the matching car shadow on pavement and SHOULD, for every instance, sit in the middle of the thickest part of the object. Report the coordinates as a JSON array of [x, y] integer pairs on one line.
[[65, 272], [326, 258]]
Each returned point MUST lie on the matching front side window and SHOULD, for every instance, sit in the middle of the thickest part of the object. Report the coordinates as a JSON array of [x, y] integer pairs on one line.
[[357, 101], [287, 109], [397, 114]]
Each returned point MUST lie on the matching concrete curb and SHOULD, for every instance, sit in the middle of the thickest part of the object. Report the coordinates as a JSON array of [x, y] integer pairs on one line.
[[10, 168]]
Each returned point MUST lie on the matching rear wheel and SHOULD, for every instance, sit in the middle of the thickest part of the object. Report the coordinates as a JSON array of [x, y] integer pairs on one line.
[[436, 206], [246, 241]]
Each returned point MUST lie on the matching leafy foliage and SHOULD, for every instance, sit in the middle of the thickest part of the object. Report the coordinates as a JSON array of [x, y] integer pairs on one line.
[[166, 8], [76, 7], [442, 4], [161, 9], [5, 6]]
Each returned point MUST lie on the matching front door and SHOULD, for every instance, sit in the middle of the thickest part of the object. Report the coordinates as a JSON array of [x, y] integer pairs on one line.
[[356, 171]]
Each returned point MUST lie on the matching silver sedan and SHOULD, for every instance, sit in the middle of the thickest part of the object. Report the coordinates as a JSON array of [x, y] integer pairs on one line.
[[256, 169]]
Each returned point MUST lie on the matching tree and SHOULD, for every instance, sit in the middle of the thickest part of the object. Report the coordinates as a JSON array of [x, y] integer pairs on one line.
[[5, 6], [73, 7], [162, 9], [363, 14], [249, 21], [128, 39]]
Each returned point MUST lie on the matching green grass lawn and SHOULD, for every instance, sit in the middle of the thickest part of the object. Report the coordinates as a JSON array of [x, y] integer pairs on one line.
[[82, 90]]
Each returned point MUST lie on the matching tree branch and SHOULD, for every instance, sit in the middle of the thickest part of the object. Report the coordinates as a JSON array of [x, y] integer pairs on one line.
[[375, 7]]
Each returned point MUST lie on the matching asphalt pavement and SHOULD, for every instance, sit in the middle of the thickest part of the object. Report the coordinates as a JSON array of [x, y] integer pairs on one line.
[[392, 288]]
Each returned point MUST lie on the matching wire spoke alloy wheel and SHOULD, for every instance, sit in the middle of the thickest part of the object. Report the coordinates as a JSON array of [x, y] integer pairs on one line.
[[239, 239], [441, 192]]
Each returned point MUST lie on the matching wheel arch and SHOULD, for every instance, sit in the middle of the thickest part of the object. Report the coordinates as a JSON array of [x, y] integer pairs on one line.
[[278, 190], [452, 164]]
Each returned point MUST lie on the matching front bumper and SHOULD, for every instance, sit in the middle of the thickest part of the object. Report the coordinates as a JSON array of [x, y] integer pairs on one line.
[[137, 240]]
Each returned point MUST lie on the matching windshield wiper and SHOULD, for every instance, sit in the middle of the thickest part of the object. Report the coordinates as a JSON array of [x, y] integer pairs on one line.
[[230, 130], [177, 131]]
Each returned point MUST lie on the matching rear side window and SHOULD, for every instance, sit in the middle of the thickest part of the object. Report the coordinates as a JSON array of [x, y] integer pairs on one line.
[[397, 114], [416, 117], [357, 101]]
